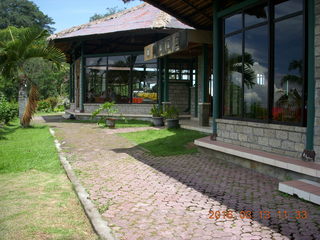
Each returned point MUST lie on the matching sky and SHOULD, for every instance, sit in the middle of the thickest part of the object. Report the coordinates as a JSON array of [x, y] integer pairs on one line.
[[69, 13]]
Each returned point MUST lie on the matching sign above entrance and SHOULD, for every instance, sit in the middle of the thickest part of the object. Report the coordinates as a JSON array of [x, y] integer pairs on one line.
[[176, 42]]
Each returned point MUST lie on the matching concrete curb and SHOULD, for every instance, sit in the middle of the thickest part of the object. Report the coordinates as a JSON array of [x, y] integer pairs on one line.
[[100, 226]]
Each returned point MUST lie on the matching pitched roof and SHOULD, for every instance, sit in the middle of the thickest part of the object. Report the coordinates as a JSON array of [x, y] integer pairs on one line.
[[143, 16]]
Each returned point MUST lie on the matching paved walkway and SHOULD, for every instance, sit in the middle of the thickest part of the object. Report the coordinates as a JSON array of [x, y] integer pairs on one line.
[[146, 197]]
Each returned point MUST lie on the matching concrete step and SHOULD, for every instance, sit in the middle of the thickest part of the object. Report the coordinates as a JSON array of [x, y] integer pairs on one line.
[[303, 188]]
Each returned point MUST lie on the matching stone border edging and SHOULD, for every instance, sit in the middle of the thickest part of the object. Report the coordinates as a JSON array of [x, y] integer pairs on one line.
[[100, 226]]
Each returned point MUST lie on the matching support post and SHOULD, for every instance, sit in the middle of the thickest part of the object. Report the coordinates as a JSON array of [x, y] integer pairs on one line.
[[216, 71], [166, 101], [82, 80], [309, 153], [204, 105]]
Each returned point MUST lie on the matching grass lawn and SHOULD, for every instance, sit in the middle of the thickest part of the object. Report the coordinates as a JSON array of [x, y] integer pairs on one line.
[[36, 197], [165, 142]]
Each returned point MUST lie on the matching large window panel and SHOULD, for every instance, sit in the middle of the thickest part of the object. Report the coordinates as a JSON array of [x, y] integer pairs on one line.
[[264, 72], [233, 76], [145, 87], [288, 75], [256, 73], [283, 8], [118, 79], [256, 15], [96, 84]]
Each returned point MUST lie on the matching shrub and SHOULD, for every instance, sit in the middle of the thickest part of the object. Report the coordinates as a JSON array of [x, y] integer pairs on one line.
[[59, 108], [156, 111], [171, 112], [53, 101], [8, 111], [43, 106]]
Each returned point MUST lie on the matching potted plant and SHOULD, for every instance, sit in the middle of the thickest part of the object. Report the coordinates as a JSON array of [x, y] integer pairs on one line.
[[171, 114], [157, 118], [108, 118]]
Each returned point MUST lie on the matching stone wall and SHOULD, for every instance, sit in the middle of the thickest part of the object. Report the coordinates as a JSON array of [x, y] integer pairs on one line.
[[278, 139], [132, 109], [72, 106], [317, 79], [179, 96]]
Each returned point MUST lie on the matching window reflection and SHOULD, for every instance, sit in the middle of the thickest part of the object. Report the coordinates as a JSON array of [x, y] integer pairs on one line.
[[256, 67], [233, 75], [285, 7], [233, 23], [288, 70], [256, 15]]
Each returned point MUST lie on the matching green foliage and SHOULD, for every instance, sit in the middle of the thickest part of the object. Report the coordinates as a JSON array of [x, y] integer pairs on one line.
[[108, 108], [165, 142], [8, 111], [110, 11], [156, 111], [51, 81], [171, 112], [51, 104], [43, 106], [20, 45], [23, 13], [53, 101]]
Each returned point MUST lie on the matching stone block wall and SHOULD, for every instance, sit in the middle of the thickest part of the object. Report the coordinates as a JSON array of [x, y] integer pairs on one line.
[[179, 96], [132, 109], [273, 138], [72, 106], [317, 80]]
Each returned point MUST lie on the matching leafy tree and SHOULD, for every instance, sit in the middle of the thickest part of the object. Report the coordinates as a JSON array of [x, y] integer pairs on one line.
[[23, 13], [109, 12], [17, 48]]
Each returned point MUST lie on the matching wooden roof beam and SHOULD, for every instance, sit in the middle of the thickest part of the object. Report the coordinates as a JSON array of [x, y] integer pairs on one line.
[[197, 9]]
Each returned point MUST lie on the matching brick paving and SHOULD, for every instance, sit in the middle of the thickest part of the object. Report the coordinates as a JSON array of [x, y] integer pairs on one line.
[[146, 197]]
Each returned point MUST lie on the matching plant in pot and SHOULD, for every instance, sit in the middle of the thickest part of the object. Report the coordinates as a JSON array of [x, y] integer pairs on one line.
[[157, 117], [171, 114], [108, 118]]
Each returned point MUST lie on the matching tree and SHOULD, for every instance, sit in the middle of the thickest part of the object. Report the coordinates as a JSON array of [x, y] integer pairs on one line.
[[23, 13], [109, 12], [17, 48]]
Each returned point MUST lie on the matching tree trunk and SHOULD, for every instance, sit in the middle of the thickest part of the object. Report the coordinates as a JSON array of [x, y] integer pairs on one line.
[[22, 100], [31, 106]]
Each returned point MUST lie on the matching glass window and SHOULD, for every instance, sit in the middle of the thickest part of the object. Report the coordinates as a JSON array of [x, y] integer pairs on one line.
[[118, 79], [256, 15], [285, 7], [288, 74], [246, 78], [256, 73], [97, 61], [96, 84], [233, 23], [233, 75]]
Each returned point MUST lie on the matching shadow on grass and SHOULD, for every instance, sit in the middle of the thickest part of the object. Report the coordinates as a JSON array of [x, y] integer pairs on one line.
[[6, 130], [238, 188]]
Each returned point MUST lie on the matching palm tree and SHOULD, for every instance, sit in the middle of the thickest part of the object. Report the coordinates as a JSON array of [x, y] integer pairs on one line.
[[17, 47]]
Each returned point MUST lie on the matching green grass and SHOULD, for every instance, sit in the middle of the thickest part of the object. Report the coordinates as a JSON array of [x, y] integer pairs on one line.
[[165, 142], [36, 198], [24, 149]]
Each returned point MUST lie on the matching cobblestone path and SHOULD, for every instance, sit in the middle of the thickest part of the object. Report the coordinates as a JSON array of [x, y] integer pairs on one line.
[[146, 197]]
